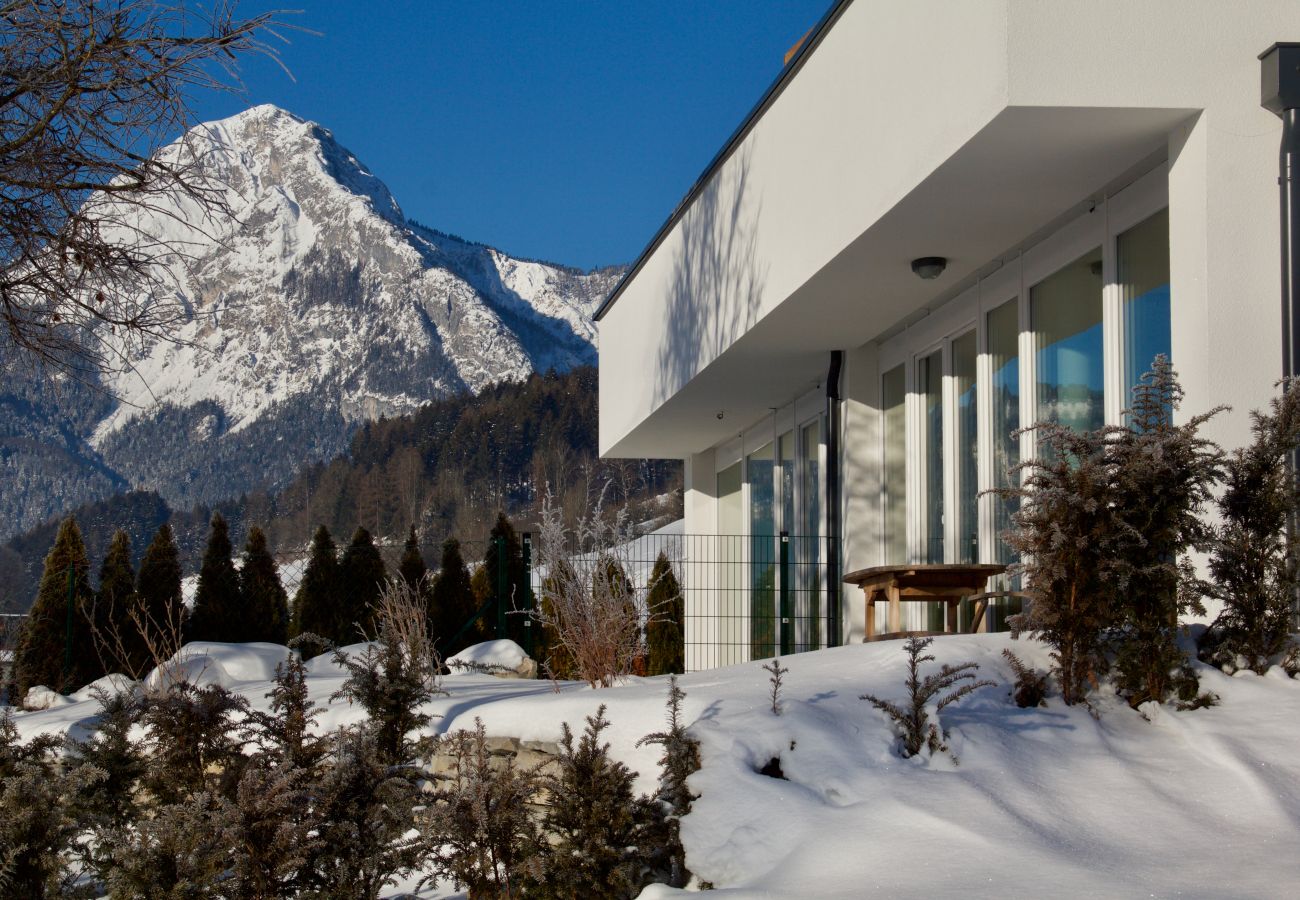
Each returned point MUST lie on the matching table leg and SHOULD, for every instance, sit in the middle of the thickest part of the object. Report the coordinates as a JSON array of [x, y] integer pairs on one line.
[[951, 623], [895, 609], [871, 613]]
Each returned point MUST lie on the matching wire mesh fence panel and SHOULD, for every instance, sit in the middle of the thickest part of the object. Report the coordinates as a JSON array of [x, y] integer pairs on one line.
[[745, 597]]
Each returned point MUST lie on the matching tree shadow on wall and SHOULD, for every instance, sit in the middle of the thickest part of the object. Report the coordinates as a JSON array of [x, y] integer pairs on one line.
[[717, 280]]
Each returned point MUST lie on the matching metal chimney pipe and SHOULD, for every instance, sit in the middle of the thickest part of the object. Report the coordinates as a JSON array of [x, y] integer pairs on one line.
[[1280, 94]]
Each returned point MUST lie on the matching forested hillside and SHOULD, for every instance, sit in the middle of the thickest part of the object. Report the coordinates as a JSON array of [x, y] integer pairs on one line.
[[447, 468]]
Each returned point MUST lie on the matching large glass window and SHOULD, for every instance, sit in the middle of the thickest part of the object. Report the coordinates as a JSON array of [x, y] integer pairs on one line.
[[929, 384], [1143, 257], [894, 403], [1065, 314], [1003, 333], [963, 371], [726, 629], [762, 553]]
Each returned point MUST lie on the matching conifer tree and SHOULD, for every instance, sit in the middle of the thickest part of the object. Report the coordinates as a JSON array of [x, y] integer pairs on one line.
[[43, 644], [452, 602], [555, 658], [115, 599], [516, 578], [1164, 474], [316, 605], [601, 835], [158, 590], [264, 601], [412, 568], [362, 575], [1253, 566], [218, 613], [665, 635], [681, 759]]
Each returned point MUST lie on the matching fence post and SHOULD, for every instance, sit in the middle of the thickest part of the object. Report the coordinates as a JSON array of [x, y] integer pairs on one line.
[[501, 586], [787, 617], [67, 638], [528, 592]]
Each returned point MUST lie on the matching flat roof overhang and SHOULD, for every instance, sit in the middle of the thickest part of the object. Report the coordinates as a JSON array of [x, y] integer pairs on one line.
[[1021, 172]]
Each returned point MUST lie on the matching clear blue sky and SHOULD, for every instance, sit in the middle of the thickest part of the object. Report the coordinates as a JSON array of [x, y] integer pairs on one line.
[[565, 131]]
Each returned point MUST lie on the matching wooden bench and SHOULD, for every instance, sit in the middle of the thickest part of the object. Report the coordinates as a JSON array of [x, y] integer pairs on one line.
[[947, 583]]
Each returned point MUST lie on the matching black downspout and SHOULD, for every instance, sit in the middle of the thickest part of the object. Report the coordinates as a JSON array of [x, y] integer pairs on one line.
[[1280, 94], [833, 538]]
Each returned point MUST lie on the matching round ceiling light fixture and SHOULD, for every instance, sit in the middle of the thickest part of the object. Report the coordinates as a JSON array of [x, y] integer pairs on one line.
[[928, 267]]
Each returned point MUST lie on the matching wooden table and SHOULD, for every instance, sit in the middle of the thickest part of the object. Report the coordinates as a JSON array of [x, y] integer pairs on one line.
[[923, 583]]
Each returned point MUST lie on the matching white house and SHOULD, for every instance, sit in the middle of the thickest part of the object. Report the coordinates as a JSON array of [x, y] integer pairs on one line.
[[1101, 183]]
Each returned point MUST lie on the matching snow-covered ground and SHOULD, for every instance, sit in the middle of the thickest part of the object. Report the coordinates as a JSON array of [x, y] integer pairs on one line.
[[1048, 802]]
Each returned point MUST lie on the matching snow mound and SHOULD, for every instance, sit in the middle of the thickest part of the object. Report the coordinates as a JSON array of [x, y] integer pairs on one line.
[[211, 662], [504, 653], [117, 683], [40, 697], [326, 665]]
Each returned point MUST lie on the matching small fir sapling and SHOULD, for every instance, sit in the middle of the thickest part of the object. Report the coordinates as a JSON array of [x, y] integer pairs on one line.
[[680, 760], [193, 741], [777, 680], [39, 821], [1068, 535], [480, 830], [913, 721], [284, 735], [114, 802], [600, 836], [364, 813], [1252, 568], [1163, 478], [181, 850], [1030, 688], [391, 687]]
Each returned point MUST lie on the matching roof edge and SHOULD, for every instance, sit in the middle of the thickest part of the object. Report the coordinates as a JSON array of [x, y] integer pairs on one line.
[[788, 72]]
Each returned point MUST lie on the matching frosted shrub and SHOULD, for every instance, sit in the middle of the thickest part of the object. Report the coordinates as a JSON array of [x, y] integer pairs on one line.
[[916, 730], [590, 614]]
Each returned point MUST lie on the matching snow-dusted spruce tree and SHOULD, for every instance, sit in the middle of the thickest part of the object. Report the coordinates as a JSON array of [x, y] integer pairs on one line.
[[1030, 687], [40, 654], [601, 838], [317, 605], [681, 759], [478, 824], [916, 730], [591, 610], [1252, 568], [265, 603], [1070, 538], [218, 613], [665, 632], [114, 801]]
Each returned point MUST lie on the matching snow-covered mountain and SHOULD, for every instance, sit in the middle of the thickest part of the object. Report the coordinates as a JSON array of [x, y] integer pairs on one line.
[[314, 305]]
